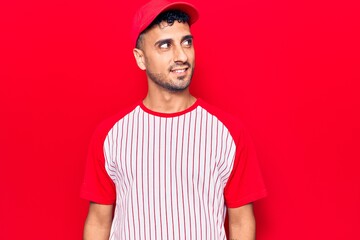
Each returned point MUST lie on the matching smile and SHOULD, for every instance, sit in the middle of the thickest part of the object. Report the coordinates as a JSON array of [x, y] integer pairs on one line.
[[179, 70]]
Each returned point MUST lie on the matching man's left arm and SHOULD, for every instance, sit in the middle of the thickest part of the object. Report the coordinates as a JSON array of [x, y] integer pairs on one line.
[[241, 223]]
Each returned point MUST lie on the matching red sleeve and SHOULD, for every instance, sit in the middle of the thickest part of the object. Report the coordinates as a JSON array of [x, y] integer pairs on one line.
[[97, 185], [245, 184]]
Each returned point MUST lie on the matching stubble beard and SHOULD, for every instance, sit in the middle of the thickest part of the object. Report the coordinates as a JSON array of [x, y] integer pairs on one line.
[[163, 81]]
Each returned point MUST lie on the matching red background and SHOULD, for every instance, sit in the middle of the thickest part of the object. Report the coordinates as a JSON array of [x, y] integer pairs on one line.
[[288, 69]]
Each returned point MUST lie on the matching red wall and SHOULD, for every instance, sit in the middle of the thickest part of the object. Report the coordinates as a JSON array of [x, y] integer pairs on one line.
[[289, 69]]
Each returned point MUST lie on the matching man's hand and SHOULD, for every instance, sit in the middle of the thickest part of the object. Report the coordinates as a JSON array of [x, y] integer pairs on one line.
[[98, 222], [241, 223]]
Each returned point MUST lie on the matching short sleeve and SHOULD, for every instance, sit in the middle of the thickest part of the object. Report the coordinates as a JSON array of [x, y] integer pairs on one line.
[[97, 185], [245, 184]]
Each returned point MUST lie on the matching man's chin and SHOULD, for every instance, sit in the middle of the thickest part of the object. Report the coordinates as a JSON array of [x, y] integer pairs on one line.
[[178, 88]]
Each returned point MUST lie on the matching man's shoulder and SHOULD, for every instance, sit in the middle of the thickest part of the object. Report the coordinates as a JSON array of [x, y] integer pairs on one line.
[[108, 123], [229, 120], [224, 116]]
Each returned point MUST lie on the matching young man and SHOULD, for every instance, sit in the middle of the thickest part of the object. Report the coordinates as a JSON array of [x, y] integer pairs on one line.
[[171, 166]]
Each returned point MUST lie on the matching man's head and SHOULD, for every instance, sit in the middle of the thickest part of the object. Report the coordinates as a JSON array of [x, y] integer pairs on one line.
[[148, 12], [164, 47], [164, 19]]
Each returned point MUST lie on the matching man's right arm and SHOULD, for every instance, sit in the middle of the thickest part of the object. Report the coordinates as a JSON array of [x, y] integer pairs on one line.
[[98, 222]]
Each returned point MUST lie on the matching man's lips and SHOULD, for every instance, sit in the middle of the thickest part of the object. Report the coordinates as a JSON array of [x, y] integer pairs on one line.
[[179, 67], [179, 70]]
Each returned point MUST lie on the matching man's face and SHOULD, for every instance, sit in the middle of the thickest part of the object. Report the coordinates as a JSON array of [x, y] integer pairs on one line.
[[168, 55]]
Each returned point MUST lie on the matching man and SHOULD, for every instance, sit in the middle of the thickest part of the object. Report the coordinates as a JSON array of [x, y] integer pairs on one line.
[[171, 166]]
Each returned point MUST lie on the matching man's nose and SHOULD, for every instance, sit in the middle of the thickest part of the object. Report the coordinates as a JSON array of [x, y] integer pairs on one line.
[[180, 55]]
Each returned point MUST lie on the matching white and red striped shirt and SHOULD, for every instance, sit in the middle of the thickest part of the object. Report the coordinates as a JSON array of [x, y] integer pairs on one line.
[[171, 176]]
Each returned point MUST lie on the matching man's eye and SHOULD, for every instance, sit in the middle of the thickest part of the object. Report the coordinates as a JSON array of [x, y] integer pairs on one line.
[[164, 45], [188, 42]]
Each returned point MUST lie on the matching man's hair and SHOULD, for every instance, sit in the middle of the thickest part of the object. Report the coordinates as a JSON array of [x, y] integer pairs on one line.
[[169, 17]]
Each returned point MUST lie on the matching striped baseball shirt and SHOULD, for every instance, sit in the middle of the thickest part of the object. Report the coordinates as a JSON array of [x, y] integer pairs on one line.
[[171, 176]]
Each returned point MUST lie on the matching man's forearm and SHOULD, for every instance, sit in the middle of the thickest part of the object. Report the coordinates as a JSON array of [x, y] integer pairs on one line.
[[241, 223], [96, 232], [98, 222], [245, 231]]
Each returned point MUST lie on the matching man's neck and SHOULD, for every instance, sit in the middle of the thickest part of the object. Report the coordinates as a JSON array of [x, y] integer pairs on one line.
[[168, 102]]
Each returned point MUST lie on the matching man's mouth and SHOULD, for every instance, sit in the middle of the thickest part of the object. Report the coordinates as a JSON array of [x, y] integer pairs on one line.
[[179, 70]]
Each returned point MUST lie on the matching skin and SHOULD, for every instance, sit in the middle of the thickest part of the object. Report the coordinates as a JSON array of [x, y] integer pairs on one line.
[[241, 223], [98, 222], [165, 49]]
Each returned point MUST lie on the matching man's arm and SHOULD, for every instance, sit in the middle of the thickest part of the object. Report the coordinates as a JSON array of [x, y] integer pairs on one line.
[[241, 223], [98, 222]]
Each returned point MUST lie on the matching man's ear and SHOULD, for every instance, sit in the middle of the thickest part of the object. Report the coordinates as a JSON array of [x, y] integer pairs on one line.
[[139, 57]]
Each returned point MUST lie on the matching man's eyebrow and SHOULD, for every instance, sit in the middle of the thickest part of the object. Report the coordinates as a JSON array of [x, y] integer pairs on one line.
[[187, 37], [170, 40], [161, 41]]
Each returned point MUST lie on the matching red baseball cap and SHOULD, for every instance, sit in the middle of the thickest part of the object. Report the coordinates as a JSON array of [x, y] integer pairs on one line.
[[148, 12]]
